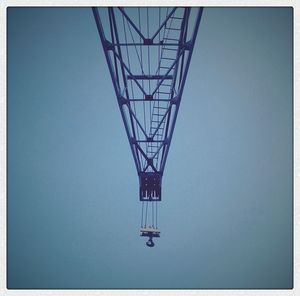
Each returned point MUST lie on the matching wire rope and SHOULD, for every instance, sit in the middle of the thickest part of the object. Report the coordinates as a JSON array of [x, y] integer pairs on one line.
[[142, 68], [149, 69], [131, 84], [157, 94], [152, 214], [146, 213], [142, 219], [156, 215]]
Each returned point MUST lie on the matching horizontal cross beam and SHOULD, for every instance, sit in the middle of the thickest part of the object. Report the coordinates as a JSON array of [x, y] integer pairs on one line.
[[150, 77]]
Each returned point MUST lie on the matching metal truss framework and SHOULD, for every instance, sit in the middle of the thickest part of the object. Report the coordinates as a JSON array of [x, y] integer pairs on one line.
[[148, 94]]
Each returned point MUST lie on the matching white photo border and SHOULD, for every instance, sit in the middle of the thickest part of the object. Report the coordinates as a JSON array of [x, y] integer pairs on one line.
[[296, 141]]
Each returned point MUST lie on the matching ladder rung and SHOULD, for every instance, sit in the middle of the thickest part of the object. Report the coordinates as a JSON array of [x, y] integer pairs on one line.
[[155, 127], [172, 49], [162, 92], [174, 29], [166, 67], [160, 128], [171, 39], [168, 59], [163, 108], [176, 17]]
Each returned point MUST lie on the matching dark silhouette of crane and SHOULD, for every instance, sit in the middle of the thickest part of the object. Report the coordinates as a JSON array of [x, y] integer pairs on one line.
[[148, 52]]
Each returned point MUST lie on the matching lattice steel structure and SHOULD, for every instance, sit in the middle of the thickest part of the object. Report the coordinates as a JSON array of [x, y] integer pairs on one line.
[[148, 52]]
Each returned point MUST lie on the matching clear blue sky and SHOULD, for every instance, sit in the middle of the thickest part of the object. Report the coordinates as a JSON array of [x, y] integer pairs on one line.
[[73, 209]]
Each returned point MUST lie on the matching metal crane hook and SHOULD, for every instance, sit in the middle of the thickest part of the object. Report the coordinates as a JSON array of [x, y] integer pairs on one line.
[[150, 243]]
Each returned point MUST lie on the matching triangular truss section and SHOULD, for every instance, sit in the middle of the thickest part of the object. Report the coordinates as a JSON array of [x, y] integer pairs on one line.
[[148, 52]]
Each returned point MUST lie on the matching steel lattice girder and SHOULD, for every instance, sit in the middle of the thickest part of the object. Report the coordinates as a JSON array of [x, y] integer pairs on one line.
[[172, 35]]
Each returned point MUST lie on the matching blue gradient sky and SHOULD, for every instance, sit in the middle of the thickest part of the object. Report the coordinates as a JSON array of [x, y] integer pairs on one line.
[[73, 209]]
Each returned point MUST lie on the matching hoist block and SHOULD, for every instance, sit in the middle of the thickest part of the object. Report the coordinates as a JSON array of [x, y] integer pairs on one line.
[[150, 232], [150, 186]]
